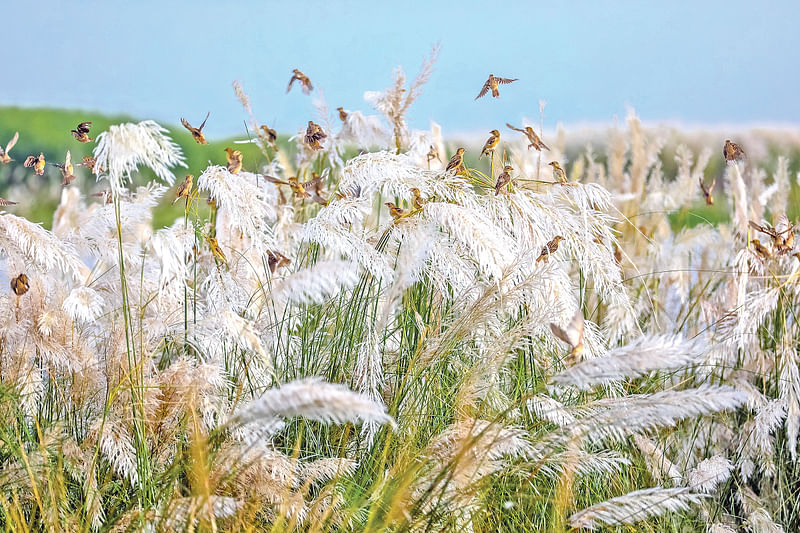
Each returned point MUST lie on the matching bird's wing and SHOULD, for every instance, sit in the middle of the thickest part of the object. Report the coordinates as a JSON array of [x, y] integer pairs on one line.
[[504, 80], [12, 142], [5, 202], [711, 187], [204, 121], [273, 179], [453, 162], [83, 127], [307, 86], [30, 161], [186, 124], [515, 129], [312, 184], [484, 90], [291, 81], [68, 161]]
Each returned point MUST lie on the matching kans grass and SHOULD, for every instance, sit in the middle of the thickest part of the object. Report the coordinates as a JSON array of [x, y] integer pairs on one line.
[[402, 375]]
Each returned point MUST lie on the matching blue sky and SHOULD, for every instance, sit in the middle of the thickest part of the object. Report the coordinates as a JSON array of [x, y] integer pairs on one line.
[[698, 62]]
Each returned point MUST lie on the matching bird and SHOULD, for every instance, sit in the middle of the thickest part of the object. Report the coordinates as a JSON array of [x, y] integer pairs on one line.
[[491, 143], [305, 83], [88, 162], [300, 189], [782, 234], [105, 195], [184, 189], [572, 335], [276, 260], [396, 212], [707, 191], [549, 249], [503, 179], [492, 83], [20, 284], [314, 135], [732, 151], [536, 142], [456, 162], [342, 114], [558, 172], [234, 158], [197, 133], [417, 201], [760, 249], [271, 137], [4, 158], [37, 162], [81, 132], [6, 203], [67, 170], [433, 153], [216, 250]]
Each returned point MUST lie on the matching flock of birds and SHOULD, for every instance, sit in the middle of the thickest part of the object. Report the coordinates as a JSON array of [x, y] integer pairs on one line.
[[782, 236]]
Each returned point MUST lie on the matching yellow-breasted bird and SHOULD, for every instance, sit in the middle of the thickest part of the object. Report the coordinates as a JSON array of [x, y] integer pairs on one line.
[[456, 162], [491, 143], [314, 135], [271, 136], [503, 179], [4, 158], [276, 260], [37, 162], [491, 85], [782, 235], [708, 190], [572, 335], [197, 133], [20, 284], [732, 151], [81, 132], [535, 140], [67, 170], [558, 172], [396, 212], [433, 153], [6, 203], [216, 250], [301, 78], [417, 201], [549, 249], [760, 249], [342, 114], [234, 158], [184, 189]]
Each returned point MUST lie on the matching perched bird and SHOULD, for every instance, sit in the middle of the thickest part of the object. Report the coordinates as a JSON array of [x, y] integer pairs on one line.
[[491, 143], [503, 179], [396, 212], [492, 83], [81, 132], [6, 203], [456, 162], [20, 284], [67, 170], [314, 135], [535, 141], [707, 191], [433, 153], [184, 189], [4, 158], [271, 136], [732, 151], [558, 172], [418, 202], [89, 162], [760, 249], [572, 335], [549, 249], [276, 260], [782, 234], [234, 158], [342, 114], [197, 133], [305, 83], [216, 250], [37, 162]]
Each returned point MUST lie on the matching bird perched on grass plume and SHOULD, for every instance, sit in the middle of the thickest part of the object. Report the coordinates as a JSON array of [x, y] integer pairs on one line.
[[558, 172], [732, 151], [491, 143], [234, 158], [342, 114], [396, 212], [549, 249], [20, 284], [491, 85], [535, 141], [184, 189], [197, 133], [456, 163], [314, 135], [503, 179], [417, 201]]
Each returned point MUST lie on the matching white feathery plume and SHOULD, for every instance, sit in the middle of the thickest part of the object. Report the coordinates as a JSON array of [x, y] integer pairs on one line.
[[719, 527], [789, 388], [710, 473], [242, 332], [364, 131], [635, 506], [741, 214], [316, 284], [657, 462], [83, 304], [551, 410]]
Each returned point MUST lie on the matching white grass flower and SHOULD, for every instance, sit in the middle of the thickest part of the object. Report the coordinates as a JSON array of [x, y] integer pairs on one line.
[[710, 473], [316, 283], [83, 304]]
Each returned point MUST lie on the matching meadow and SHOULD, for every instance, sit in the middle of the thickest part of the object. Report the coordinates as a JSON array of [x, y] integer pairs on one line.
[[349, 337]]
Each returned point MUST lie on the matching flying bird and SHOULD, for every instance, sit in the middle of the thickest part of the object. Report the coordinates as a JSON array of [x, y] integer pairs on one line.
[[342, 114], [271, 136], [456, 162], [6, 203], [4, 158], [782, 235], [433, 153], [89, 162], [535, 140], [197, 133], [314, 135], [558, 172], [67, 170], [732, 151], [37, 162], [707, 191], [572, 335], [234, 158], [184, 189], [20, 284], [760, 249], [276, 260], [549, 249], [491, 143], [492, 83], [302, 79], [81, 132], [503, 179]]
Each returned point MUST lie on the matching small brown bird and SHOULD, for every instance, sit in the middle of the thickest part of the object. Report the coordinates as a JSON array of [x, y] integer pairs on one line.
[[558, 172], [20, 284], [760, 249], [503, 179], [342, 114], [732, 151], [301, 189], [81, 132], [234, 158], [6, 203], [782, 235], [492, 83], [549, 249], [197, 133], [271, 136], [535, 141], [417, 201], [396, 212], [433, 153], [305, 83], [491, 143], [216, 250], [572, 335], [67, 170], [4, 158], [184, 189], [88, 162], [276, 260], [707, 191], [37, 162], [456, 162], [314, 135], [105, 195]]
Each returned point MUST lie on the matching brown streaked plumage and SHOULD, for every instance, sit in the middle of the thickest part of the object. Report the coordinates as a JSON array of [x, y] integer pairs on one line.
[[105, 195], [276, 260], [782, 235], [342, 114], [491, 143], [301, 78], [6, 203], [81, 132], [760, 249], [572, 335], [732, 151], [491, 85], [89, 162], [234, 158], [67, 170], [549, 249], [37, 162], [456, 162], [271, 136], [396, 212], [314, 135], [433, 153], [503, 179], [197, 133], [184, 189], [4, 157], [558, 172], [216, 250], [707, 191], [535, 141], [20, 284]]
